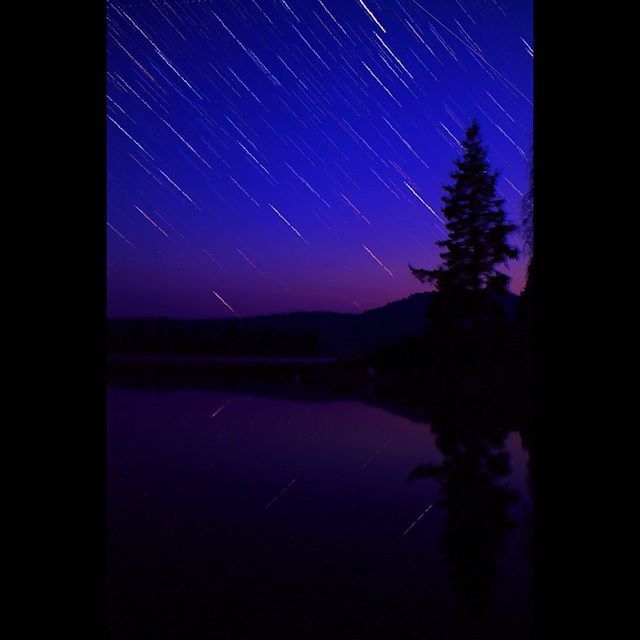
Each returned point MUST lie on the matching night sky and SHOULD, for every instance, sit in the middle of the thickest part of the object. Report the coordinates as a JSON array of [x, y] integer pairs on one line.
[[267, 156]]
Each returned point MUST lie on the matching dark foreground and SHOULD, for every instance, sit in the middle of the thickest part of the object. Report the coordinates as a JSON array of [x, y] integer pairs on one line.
[[262, 501]]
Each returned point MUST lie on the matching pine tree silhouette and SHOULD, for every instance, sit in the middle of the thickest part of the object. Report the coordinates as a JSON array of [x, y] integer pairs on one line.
[[478, 230]]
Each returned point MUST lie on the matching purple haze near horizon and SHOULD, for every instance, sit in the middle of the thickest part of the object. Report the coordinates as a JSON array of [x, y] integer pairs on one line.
[[285, 156]]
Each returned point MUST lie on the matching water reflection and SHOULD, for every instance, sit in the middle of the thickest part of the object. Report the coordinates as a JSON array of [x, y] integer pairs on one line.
[[473, 489], [194, 552]]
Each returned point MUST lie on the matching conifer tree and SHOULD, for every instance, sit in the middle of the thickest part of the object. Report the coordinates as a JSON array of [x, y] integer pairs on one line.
[[478, 230]]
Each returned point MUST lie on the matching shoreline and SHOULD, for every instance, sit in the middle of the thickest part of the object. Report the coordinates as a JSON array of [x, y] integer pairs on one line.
[[307, 379]]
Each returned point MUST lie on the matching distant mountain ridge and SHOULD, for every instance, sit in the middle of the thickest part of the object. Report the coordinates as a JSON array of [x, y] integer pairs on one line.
[[300, 334]]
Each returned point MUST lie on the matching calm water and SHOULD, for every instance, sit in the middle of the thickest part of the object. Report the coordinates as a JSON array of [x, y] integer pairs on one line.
[[235, 516]]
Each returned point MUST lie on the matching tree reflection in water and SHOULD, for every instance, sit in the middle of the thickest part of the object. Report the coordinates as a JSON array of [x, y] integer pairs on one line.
[[474, 492]]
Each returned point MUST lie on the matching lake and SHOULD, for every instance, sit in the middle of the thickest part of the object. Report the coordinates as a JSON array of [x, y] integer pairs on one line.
[[241, 516]]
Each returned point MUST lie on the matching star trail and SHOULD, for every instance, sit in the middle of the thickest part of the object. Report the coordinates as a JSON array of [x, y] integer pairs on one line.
[[267, 156]]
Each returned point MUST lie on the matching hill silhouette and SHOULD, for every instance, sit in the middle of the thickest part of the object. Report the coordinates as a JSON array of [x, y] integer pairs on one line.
[[299, 334]]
